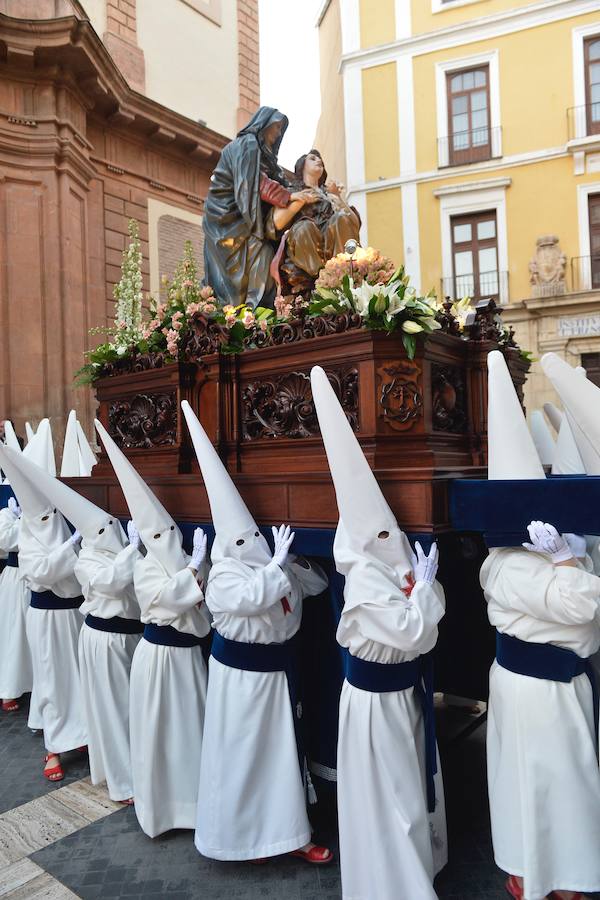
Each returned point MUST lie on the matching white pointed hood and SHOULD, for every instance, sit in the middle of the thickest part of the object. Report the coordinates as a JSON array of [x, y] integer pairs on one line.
[[543, 440], [42, 527], [87, 457], [157, 528], [369, 548], [581, 400], [10, 436], [40, 448], [567, 458], [29, 432], [70, 458], [554, 414], [237, 535], [100, 530], [511, 451]]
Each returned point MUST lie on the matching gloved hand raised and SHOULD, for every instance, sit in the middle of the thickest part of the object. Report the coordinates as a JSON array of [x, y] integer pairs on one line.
[[546, 539], [14, 508], [75, 537], [133, 534], [283, 538], [198, 550], [425, 567], [577, 543]]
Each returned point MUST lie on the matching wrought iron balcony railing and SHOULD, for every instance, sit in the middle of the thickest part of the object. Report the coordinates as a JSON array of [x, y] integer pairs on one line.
[[465, 147], [583, 121], [477, 286], [585, 273]]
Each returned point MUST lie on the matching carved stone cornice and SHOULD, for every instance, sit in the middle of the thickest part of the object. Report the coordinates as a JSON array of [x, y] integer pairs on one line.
[[72, 50]]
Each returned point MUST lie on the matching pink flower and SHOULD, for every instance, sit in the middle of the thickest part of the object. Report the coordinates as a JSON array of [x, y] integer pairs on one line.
[[160, 310], [188, 283], [177, 325], [206, 292], [192, 308], [248, 319], [121, 325], [177, 316], [209, 307], [263, 325], [230, 321], [146, 332], [229, 310]]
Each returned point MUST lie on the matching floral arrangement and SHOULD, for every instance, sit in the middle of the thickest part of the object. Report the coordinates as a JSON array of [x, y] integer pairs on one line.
[[366, 286], [369, 285]]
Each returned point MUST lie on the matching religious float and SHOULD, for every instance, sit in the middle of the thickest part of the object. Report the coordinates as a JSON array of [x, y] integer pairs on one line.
[[287, 286]]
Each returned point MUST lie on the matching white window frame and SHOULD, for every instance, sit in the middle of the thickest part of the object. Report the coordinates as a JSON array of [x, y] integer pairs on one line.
[[438, 6], [583, 217], [442, 70], [467, 201], [578, 36]]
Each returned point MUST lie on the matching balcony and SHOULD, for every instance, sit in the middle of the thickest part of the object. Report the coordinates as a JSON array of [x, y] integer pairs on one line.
[[466, 147], [583, 122], [481, 286], [585, 273]]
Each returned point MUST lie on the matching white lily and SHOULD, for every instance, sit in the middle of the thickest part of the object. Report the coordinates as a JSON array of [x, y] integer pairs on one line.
[[362, 296], [431, 323]]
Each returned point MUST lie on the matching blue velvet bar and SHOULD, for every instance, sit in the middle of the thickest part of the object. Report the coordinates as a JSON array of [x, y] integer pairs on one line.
[[502, 510]]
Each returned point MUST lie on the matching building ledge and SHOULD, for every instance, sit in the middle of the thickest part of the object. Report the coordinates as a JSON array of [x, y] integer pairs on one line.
[[584, 301], [588, 144], [470, 186]]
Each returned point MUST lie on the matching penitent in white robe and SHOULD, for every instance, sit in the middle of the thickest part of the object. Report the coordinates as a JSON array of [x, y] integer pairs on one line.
[[251, 800], [543, 775], [16, 674], [53, 635], [105, 663], [390, 847], [168, 696]]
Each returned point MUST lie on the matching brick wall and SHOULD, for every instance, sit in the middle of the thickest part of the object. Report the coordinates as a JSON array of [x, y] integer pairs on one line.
[[248, 60], [120, 40], [172, 235]]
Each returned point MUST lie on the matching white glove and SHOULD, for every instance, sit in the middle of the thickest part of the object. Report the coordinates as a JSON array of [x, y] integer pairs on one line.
[[199, 549], [283, 538], [133, 535], [577, 543], [75, 537], [14, 507], [425, 567], [546, 539]]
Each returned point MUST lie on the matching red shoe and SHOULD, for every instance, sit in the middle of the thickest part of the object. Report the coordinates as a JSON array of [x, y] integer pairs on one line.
[[55, 773], [10, 705], [128, 802], [316, 856], [82, 749]]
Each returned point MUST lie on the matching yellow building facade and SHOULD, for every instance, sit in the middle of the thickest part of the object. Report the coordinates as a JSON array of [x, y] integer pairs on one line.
[[471, 147]]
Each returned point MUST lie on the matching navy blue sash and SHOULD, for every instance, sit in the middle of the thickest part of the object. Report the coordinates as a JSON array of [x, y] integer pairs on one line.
[[381, 678], [114, 625], [545, 661], [49, 600], [167, 636], [266, 658], [13, 560]]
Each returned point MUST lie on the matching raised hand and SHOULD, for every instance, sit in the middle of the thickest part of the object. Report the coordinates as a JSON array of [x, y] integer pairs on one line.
[[283, 538], [199, 549], [546, 539], [425, 566], [133, 534]]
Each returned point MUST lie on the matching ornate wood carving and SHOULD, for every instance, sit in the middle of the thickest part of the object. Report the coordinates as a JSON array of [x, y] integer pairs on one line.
[[448, 399], [400, 398], [282, 406], [145, 420]]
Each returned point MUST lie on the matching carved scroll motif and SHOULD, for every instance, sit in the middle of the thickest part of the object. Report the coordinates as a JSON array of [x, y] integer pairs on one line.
[[448, 399], [400, 398], [145, 420], [282, 405]]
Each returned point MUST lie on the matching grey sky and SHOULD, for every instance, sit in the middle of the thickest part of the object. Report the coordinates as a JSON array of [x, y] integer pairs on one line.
[[289, 69]]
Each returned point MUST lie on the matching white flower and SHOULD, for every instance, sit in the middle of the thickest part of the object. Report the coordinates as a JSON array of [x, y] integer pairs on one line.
[[362, 296], [430, 323]]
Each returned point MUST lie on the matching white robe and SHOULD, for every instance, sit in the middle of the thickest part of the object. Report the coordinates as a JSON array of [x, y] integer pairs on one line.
[[543, 775], [16, 673], [56, 704], [251, 801], [104, 665], [168, 696], [389, 846]]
